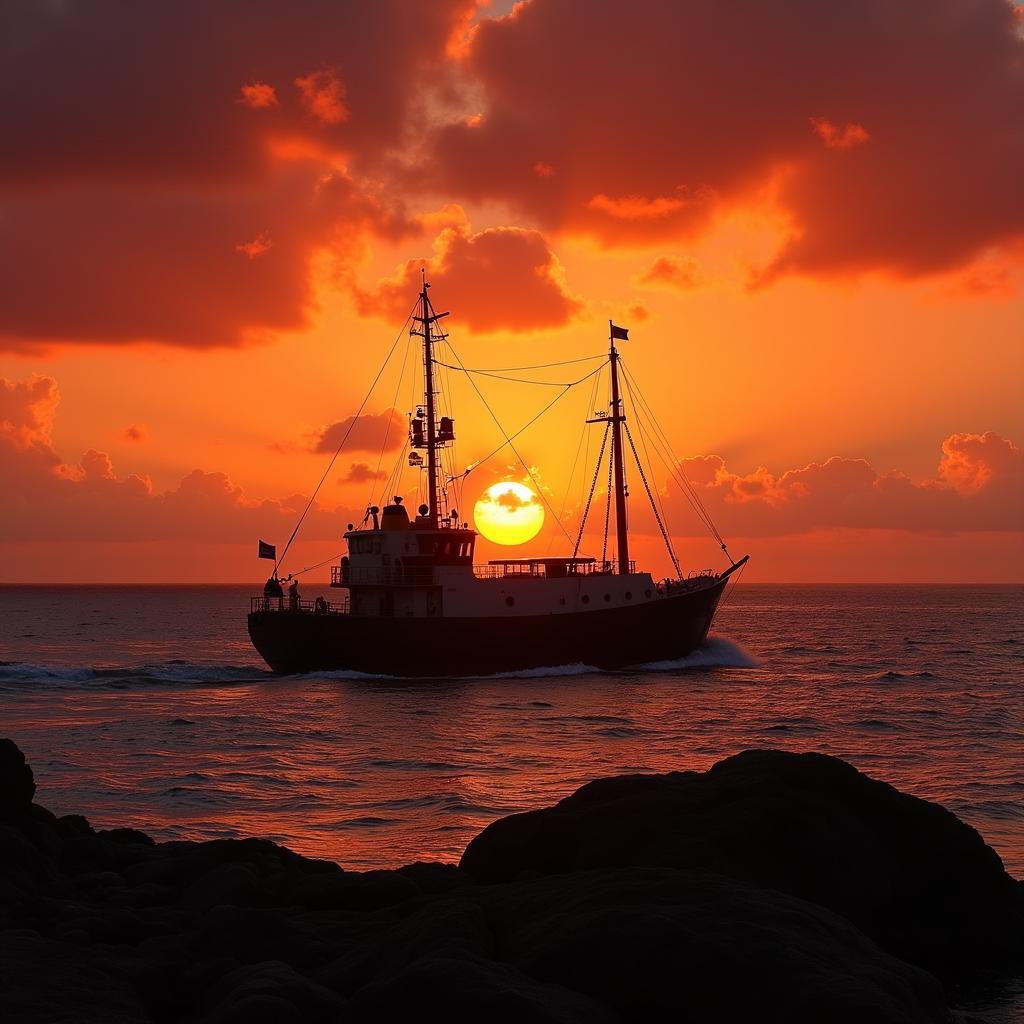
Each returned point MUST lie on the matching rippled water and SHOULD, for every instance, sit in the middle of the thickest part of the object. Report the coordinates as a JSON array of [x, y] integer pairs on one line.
[[147, 707]]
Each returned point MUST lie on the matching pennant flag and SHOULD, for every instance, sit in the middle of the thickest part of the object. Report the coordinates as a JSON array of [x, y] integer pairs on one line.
[[268, 551], [620, 332]]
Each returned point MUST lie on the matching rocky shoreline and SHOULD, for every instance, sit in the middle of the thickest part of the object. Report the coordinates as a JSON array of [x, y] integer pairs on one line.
[[773, 887]]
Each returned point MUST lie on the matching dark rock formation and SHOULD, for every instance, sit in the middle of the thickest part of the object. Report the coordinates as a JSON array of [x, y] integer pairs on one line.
[[602, 909], [907, 872]]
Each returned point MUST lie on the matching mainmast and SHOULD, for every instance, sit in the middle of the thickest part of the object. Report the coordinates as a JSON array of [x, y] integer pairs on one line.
[[619, 475], [427, 318]]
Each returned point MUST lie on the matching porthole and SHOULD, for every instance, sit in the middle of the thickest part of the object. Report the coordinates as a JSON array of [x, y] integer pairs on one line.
[[607, 597], [510, 601], [585, 599], [629, 596]]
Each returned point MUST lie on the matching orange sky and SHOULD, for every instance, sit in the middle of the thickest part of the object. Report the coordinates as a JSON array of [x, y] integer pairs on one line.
[[809, 216]]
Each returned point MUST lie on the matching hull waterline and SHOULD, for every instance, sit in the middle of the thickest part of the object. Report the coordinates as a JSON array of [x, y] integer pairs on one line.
[[660, 630]]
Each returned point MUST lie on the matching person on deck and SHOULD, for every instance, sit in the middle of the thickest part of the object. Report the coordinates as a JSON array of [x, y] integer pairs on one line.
[[272, 589], [293, 596]]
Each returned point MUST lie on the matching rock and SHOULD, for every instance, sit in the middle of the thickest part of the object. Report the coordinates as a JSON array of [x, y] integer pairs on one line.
[[600, 909], [17, 784], [916, 879], [272, 993], [660, 944]]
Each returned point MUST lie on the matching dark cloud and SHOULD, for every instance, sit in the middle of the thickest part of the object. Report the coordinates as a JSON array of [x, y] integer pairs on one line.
[[505, 278], [361, 473], [170, 171], [888, 134], [370, 432]]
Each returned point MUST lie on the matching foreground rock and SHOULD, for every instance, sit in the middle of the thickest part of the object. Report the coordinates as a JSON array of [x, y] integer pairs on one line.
[[909, 873], [108, 926]]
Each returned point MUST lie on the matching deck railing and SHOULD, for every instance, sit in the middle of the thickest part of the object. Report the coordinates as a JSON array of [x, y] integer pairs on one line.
[[285, 604], [542, 570]]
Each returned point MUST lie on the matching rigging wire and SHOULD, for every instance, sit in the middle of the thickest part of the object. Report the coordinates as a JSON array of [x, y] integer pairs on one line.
[[498, 376], [650, 463], [654, 507], [607, 510], [584, 435], [676, 472], [508, 440], [310, 568], [537, 366], [334, 457], [387, 429], [593, 487]]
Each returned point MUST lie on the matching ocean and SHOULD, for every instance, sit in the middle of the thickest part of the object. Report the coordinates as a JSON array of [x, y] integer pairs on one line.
[[147, 707]]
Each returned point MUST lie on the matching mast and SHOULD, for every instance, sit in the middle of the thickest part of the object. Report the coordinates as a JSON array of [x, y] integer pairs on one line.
[[619, 475], [428, 383]]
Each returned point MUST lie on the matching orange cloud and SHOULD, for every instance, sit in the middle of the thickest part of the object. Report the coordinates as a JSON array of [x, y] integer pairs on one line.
[[685, 111], [259, 96], [26, 411], [635, 207], [259, 245], [128, 202], [970, 461], [680, 272], [979, 487], [45, 499], [834, 137], [507, 279], [322, 95]]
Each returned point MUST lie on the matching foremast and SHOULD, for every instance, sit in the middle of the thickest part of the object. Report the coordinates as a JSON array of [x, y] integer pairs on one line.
[[619, 475]]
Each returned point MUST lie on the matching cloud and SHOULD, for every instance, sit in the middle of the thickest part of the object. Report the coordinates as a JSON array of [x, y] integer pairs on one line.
[[151, 149], [26, 411], [360, 472], [47, 499], [370, 432], [504, 278], [176, 268], [836, 137], [682, 273], [323, 97], [259, 96], [886, 134], [970, 461], [978, 486]]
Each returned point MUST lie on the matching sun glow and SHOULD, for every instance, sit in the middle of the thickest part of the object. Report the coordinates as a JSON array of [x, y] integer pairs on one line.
[[508, 513]]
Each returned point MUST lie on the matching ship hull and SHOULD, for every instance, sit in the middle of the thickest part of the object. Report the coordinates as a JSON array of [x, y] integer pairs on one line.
[[668, 628]]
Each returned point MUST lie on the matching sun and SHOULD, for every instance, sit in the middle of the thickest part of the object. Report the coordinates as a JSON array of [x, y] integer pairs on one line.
[[508, 513]]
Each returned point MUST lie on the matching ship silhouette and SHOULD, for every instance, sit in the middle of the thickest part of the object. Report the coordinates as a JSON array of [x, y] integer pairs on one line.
[[419, 606]]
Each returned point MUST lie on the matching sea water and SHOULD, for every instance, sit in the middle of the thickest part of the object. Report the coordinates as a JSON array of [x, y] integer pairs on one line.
[[147, 706]]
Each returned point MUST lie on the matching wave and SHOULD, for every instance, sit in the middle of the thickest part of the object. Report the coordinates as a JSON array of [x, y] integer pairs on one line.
[[715, 652], [114, 676]]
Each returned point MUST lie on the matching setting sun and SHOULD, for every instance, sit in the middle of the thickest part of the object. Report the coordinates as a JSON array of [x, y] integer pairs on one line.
[[508, 513]]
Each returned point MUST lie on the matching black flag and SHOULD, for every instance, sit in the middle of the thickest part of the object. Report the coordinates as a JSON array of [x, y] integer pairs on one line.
[[268, 551], [620, 332]]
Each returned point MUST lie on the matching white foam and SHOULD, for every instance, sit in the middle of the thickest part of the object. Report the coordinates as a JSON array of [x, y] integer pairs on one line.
[[715, 652]]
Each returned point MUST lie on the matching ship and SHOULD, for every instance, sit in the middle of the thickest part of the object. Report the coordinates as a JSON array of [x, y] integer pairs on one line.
[[418, 605]]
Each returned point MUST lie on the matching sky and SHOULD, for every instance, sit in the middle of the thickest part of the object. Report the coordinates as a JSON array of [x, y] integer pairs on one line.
[[213, 219]]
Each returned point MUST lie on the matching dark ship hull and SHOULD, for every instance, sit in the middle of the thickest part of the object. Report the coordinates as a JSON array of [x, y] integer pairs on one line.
[[670, 627]]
